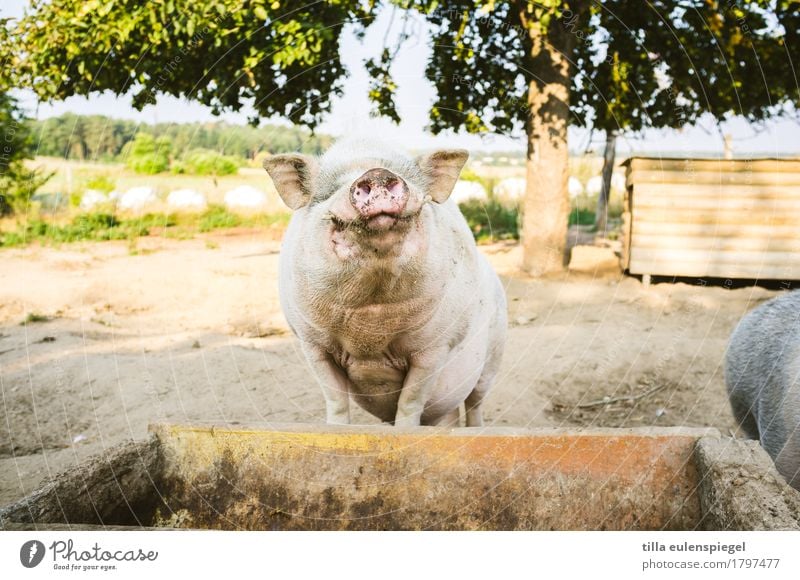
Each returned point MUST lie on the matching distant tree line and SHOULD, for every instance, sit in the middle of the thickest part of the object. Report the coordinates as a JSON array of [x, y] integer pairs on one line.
[[100, 138]]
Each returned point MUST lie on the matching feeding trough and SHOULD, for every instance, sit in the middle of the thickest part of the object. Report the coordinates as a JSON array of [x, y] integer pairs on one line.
[[302, 477]]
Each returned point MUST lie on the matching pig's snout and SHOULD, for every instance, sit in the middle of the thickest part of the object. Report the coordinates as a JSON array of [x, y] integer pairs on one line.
[[380, 197]]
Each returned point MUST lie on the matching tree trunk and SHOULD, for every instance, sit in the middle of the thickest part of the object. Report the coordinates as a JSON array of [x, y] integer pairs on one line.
[[601, 217], [545, 209]]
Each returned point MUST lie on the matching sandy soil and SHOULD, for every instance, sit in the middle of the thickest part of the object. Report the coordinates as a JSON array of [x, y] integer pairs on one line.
[[192, 330]]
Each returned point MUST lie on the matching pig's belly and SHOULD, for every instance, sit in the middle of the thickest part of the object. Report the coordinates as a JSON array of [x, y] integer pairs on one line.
[[376, 387], [377, 383]]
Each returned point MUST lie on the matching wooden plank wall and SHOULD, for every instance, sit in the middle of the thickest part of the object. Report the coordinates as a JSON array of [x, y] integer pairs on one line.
[[715, 218]]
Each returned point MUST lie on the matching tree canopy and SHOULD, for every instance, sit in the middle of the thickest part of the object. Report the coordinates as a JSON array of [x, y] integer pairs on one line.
[[664, 63], [280, 57], [632, 65]]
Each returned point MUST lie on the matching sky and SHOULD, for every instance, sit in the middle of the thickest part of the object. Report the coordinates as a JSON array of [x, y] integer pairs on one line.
[[350, 113]]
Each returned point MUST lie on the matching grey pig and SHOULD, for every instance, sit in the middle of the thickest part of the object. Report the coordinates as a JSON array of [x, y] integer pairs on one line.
[[762, 372], [382, 282]]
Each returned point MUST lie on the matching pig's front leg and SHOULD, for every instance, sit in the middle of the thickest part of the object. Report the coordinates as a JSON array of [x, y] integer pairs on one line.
[[335, 384], [423, 372]]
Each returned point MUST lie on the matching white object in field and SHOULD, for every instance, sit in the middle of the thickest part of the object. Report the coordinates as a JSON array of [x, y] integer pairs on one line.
[[91, 198], [575, 187], [594, 185], [115, 195], [186, 199], [465, 190], [137, 198], [245, 196], [511, 188]]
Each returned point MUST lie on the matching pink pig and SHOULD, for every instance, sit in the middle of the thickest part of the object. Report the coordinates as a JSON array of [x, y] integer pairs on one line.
[[381, 281]]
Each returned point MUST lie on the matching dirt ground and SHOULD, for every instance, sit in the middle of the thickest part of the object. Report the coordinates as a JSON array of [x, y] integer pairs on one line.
[[192, 331]]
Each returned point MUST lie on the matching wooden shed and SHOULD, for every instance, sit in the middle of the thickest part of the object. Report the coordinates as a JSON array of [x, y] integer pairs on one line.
[[712, 218]]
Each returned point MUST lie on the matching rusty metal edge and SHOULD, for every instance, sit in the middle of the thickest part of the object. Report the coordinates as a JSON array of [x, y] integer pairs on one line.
[[162, 430]]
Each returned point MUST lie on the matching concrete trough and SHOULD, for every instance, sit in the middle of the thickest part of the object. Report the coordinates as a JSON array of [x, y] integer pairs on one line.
[[310, 477]]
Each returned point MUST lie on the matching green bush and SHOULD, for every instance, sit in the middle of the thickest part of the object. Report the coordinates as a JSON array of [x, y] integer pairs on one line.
[[100, 183], [149, 164], [18, 183], [148, 155], [490, 220], [34, 317], [581, 217], [85, 223], [206, 162]]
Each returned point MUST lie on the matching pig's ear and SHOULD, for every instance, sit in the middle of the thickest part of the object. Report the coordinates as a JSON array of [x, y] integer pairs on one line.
[[442, 169], [292, 174]]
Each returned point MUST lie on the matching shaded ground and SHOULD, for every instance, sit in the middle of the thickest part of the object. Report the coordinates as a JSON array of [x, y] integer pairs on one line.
[[192, 330]]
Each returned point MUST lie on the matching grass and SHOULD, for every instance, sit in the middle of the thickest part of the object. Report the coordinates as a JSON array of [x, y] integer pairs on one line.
[[216, 218], [581, 217], [107, 226], [490, 220], [34, 317]]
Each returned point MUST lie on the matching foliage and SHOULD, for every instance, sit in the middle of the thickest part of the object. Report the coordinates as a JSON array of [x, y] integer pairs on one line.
[[469, 174], [206, 162], [216, 217], [98, 138], [17, 182], [490, 220], [83, 227], [281, 56], [104, 226], [664, 64], [101, 183], [147, 154], [581, 217], [669, 65], [34, 317]]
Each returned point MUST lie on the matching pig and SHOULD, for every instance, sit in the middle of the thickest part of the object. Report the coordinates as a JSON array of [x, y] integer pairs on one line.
[[762, 374], [381, 281]]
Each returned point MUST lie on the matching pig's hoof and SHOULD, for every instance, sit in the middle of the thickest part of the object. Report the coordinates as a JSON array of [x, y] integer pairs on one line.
[[412, 421], [474, 419], [338, 420]]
